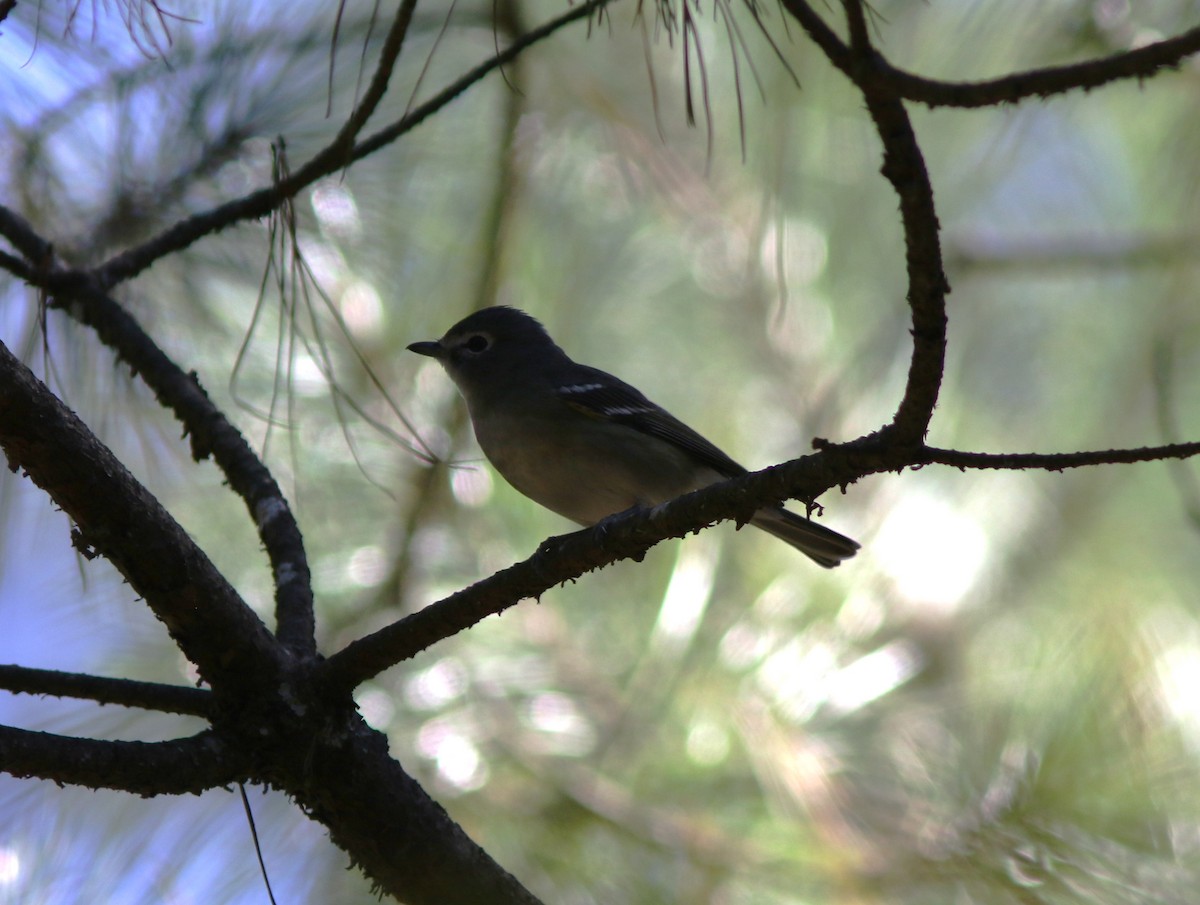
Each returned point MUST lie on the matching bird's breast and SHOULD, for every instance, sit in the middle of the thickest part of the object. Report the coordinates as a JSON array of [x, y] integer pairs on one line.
[[585, 469]]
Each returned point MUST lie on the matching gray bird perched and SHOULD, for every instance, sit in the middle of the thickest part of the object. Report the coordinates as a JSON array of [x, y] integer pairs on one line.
[[583, 443]]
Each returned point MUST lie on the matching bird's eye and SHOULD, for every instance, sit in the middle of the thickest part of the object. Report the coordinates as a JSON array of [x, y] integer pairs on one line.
[[477, 343]]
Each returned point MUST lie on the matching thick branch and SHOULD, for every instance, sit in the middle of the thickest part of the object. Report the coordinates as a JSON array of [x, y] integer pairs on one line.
[[189, 765], [17, 230], [401, 837], [120, 519], [211, 432], [346, 779], [103, 690]]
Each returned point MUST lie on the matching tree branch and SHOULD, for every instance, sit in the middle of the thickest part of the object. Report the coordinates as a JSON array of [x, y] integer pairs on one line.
[[904, 167], [1139, 63], [120, 519], [1054, 461], [344, 141], [401, 837], [36, 250], [282, 727], [625, 536], [260, 203], [211, 432], [629, 535], [188, 765], [821, 34], [123, 692]]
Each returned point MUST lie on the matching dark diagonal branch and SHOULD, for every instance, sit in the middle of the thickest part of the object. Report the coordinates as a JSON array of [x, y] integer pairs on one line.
[[630, 535], [860, 31], [14, 265], [211, 434], [16, 229], [181, 766], [260, 203], [401, 837], [312, 745], [821, 34], [565, 558], [344, 141], [118, 518], [1139, 63], [103, 690]]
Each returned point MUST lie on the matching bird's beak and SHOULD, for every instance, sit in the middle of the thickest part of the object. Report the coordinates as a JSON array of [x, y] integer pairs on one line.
[[431, 348]]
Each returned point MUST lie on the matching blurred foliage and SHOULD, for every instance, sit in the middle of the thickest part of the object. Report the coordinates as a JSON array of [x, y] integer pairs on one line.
[[994, 703]]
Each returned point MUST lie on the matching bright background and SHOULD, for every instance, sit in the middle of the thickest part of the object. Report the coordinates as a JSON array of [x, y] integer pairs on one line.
[[995, 702]]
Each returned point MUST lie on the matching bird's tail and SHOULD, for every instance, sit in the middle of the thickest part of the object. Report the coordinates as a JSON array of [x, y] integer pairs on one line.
[[818, 543]]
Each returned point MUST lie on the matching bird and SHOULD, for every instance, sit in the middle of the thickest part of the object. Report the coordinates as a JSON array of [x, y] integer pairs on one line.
[[583, 443]]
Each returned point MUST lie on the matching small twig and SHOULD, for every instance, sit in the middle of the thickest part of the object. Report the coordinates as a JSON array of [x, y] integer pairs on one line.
[[1054, 461], [262, 865], [344, 140]]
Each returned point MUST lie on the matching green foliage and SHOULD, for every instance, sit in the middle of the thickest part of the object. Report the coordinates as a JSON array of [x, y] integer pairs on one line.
[[993, 703]]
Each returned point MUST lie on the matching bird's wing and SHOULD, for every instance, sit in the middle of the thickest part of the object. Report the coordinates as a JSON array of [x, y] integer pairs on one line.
[[600, 395]]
